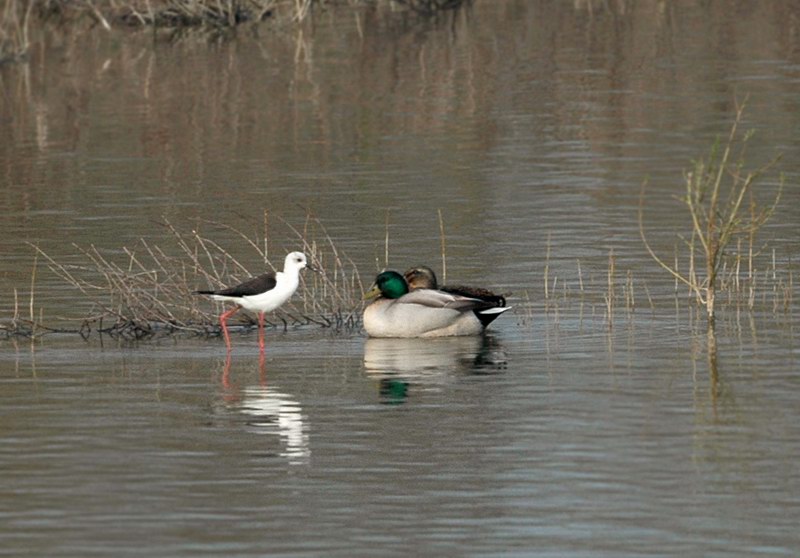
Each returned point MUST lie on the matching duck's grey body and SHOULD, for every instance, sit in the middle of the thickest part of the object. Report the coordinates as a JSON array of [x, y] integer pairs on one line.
[[428, 313]]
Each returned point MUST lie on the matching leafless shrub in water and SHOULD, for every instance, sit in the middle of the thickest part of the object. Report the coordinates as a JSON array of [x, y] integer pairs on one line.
[[716, 222]]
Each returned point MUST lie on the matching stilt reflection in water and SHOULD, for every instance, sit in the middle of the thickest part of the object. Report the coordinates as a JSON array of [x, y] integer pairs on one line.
[[267, 410], [272, 412]]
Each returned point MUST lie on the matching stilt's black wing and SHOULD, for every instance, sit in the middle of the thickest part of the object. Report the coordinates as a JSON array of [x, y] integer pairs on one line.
[[254, 286]]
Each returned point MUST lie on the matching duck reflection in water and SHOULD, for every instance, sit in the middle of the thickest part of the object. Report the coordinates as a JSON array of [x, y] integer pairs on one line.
[[401, 365]]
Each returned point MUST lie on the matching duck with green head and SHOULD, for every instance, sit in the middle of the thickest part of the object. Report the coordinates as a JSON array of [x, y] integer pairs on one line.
[[398, 312]]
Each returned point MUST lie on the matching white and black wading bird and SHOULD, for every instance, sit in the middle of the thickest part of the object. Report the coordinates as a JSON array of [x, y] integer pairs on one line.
[[261, 294]]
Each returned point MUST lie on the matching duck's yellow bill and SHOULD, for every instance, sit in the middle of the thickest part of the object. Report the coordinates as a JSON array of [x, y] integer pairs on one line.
[[374, 292]]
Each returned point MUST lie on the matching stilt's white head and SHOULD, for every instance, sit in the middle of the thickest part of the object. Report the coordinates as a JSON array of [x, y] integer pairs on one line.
[[295, 261]]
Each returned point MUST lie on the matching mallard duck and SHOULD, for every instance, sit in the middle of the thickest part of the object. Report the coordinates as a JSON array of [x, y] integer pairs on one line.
[[423, 277], [398, 312]]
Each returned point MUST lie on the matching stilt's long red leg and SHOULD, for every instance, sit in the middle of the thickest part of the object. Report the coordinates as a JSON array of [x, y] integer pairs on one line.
[[261, 356], [261, 332], [223, 322], [226, 372]]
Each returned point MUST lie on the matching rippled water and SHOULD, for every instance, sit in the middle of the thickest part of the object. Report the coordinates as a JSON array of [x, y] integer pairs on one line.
[[605, 443], [561, 433]]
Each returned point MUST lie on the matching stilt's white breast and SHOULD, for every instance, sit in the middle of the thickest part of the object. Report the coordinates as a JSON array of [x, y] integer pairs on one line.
[[285, 286]]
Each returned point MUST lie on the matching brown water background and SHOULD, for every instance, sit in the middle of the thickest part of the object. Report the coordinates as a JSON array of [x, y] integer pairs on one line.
[[520, 121]]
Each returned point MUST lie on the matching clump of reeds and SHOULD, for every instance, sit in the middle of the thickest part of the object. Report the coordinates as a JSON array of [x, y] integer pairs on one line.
[[23, 326], [600, 287], [749, 279], [148, 291]]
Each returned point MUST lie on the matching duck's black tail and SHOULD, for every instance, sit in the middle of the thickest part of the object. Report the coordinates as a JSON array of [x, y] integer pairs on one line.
[[489, 315]]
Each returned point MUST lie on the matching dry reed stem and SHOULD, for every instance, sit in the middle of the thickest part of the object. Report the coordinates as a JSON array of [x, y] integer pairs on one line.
[[610, 295], [547, 269], [444, 249], [33, 287], [386, 244]]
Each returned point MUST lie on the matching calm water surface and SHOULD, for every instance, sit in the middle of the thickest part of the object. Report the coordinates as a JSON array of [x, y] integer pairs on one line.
[[603, 443], [555, 435]]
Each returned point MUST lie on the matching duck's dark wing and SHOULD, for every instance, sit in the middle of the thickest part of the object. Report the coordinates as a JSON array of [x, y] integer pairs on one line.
[[254, 286], [475, 292], [439, 299]]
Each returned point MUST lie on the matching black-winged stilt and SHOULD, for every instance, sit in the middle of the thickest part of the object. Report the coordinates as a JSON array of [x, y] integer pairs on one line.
[[261, 294]]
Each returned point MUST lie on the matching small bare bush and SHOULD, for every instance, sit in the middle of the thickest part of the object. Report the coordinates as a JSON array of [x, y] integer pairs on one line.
[[148, 292], [718, 192]]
